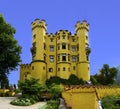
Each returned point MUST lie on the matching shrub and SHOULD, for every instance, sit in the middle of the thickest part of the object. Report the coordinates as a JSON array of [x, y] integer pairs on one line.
[[52, 104], [23, 101], [55, 91], [111, 102]]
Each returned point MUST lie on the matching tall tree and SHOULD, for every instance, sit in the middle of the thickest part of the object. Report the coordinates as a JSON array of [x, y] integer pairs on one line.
[[107, 75], [9, 49]]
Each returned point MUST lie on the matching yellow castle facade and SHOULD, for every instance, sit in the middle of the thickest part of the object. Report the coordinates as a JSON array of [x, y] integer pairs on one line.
[[60, 54]]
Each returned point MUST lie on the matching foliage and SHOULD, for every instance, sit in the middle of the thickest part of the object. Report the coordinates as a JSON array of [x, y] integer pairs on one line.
[[55, 91], [4, 81], [52, 104], [72, 80], [111, 102], [53, 79], [9, 51], [107, 75], [29, 86], [23, 101]]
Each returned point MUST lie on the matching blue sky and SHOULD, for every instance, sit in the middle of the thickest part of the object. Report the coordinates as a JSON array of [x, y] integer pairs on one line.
[[102, 15]]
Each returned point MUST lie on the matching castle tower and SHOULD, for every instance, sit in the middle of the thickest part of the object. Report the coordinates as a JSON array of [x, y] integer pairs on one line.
[[63, 54], [38, 64], [83, 70]]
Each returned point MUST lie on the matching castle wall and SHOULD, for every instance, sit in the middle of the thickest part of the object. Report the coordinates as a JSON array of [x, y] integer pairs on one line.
[[87, 97]]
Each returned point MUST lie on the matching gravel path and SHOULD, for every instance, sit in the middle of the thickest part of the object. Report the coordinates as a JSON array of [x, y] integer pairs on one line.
[[5, 104]]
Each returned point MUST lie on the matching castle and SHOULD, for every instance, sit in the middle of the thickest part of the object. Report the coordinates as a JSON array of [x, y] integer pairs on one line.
[[60, 54]]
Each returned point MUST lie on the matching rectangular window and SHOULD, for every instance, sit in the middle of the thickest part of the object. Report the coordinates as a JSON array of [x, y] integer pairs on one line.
[[51, 40], [44, 68], [32, 67], [58, 56], [73, 48], [87, 57], [51, 58], [63, 57], [68, 57], [73, 67], [78, 57], [63, 45], [58, 69], [73, 40], [68, 46], [63, 68], [51, 48], [50, 69], [63, 36], [58, 46], [74, 58]]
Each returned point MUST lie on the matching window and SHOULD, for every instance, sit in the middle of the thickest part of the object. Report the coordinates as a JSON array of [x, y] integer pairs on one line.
[[78, 57], [63, 45], [73, 48], [73, 67], [34, 36], [58, 46], [63, 36], [32, 67], [63, 57], [77, 46], [73, 40], [63, 68], [44, 68], [44, 46], [51, 40], [87, 57], [50, 69], [86, 37], [44, 57], [68, 57], [51, 58], [58, 56], [58, 69], [74, 58], [68, 46], [51, 48], [68, 69]]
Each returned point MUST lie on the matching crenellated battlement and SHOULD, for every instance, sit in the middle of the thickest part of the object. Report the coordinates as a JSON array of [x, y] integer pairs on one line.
[[39, 23], [25, 66], [101, 91], [82, 25]]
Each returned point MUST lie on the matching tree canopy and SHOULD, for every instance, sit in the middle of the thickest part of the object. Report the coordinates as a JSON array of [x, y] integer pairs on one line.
[[9, 49], [106, 75]]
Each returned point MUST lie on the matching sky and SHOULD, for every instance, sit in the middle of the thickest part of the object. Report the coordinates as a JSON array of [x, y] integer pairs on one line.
[[102, 15]]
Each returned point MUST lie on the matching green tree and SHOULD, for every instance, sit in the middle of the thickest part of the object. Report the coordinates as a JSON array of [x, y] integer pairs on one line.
[[9, 49], [30, 86], [107, 75], [55, 91], [74, 80]]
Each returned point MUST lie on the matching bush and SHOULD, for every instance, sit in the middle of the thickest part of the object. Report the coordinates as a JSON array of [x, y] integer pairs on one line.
[[23, 101], [52, 104], [55, 91], [111, 102]]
